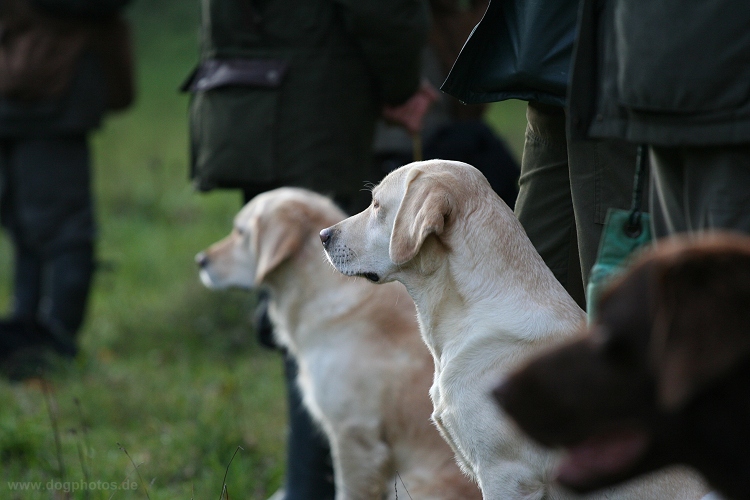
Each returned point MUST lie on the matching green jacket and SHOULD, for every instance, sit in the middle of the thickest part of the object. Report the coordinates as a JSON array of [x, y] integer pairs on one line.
[[287, 92], [663, 72], [521, 49]]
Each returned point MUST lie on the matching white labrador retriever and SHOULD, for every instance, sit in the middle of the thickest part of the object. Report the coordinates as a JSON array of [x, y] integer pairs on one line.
[[485, 302], [363, 369]]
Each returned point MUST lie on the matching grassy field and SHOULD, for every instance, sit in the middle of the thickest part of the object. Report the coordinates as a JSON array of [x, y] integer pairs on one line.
[[170, 377]]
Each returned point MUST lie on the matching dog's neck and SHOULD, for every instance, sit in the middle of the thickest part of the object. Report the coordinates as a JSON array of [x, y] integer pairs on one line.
[[305, 293], [512, 291]]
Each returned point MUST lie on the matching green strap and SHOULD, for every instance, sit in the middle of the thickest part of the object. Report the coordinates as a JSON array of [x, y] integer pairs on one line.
[[624, 233]]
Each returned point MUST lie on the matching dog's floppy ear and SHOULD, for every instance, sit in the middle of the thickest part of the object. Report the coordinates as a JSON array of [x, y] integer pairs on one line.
[[701, 323], [422, 212], [278, 235]]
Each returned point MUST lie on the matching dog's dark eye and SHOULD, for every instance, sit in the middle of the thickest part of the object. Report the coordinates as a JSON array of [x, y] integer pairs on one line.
[[375, 204]]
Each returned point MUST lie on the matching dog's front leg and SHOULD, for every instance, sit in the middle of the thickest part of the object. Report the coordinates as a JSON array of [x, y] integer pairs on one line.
[[438, 409], [361, 462], [463, 464]]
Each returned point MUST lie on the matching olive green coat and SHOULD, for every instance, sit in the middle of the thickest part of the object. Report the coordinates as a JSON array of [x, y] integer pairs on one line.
[[287, 92], [662, 72]]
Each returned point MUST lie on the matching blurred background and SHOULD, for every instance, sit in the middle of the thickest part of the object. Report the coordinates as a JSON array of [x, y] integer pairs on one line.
[[170, 378]]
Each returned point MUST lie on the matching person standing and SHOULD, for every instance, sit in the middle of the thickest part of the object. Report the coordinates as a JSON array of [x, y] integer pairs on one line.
[[681, 90], [288, 93], [63, 65]]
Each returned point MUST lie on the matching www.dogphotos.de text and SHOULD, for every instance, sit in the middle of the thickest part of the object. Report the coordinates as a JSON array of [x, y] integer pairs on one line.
[[71, 486]]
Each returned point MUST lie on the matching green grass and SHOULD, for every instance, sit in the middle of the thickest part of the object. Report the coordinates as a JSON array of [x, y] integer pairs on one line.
[[169, 371]]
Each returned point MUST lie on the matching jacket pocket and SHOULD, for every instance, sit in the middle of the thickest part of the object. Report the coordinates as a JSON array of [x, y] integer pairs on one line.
[[682, 58], [233, 117]]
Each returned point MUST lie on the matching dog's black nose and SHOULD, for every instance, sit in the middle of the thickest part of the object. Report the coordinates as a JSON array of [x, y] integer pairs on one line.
[[325, 236], [201, 259]]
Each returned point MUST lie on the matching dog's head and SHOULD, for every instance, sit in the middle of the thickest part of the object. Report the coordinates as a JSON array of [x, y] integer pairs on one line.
[[411, 211], [269, 229], [623, 399]]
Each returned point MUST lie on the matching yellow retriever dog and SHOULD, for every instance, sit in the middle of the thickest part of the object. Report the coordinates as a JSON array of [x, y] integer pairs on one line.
[[486, 301], [363, 369]]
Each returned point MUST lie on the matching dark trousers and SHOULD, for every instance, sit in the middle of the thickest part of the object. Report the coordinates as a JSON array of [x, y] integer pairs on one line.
[[565, 189], [46, 206], [309, 473], [699, 188]]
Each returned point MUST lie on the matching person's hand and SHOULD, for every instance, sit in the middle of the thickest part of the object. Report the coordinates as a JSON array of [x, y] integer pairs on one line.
[[411, 113]]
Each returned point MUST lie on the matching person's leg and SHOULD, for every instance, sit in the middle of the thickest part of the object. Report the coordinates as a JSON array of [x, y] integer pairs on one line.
[[601, 177], [27, 272], [309, 471], [704, 187], [667, 194], [544, 205], [47, 209], [67, 282], [27, 279], [52, 223]]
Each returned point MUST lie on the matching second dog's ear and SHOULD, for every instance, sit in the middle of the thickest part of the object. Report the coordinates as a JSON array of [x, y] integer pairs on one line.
[[701, 324], [422, 212], [277, 237]]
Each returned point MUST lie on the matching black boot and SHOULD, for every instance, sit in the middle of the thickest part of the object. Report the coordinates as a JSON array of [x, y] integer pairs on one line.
[[28, 349], [25, 336], [52, 322], [67, 283]]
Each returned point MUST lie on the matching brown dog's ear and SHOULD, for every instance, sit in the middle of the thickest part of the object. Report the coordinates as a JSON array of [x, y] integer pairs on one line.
[[701, 323], [277, 237], [422, 212]]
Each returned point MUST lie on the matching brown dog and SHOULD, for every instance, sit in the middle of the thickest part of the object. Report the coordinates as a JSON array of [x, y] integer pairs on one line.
[[663, 376]]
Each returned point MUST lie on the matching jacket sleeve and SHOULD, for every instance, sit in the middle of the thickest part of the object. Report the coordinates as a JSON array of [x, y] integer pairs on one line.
[[392, 34], [81, 8]]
